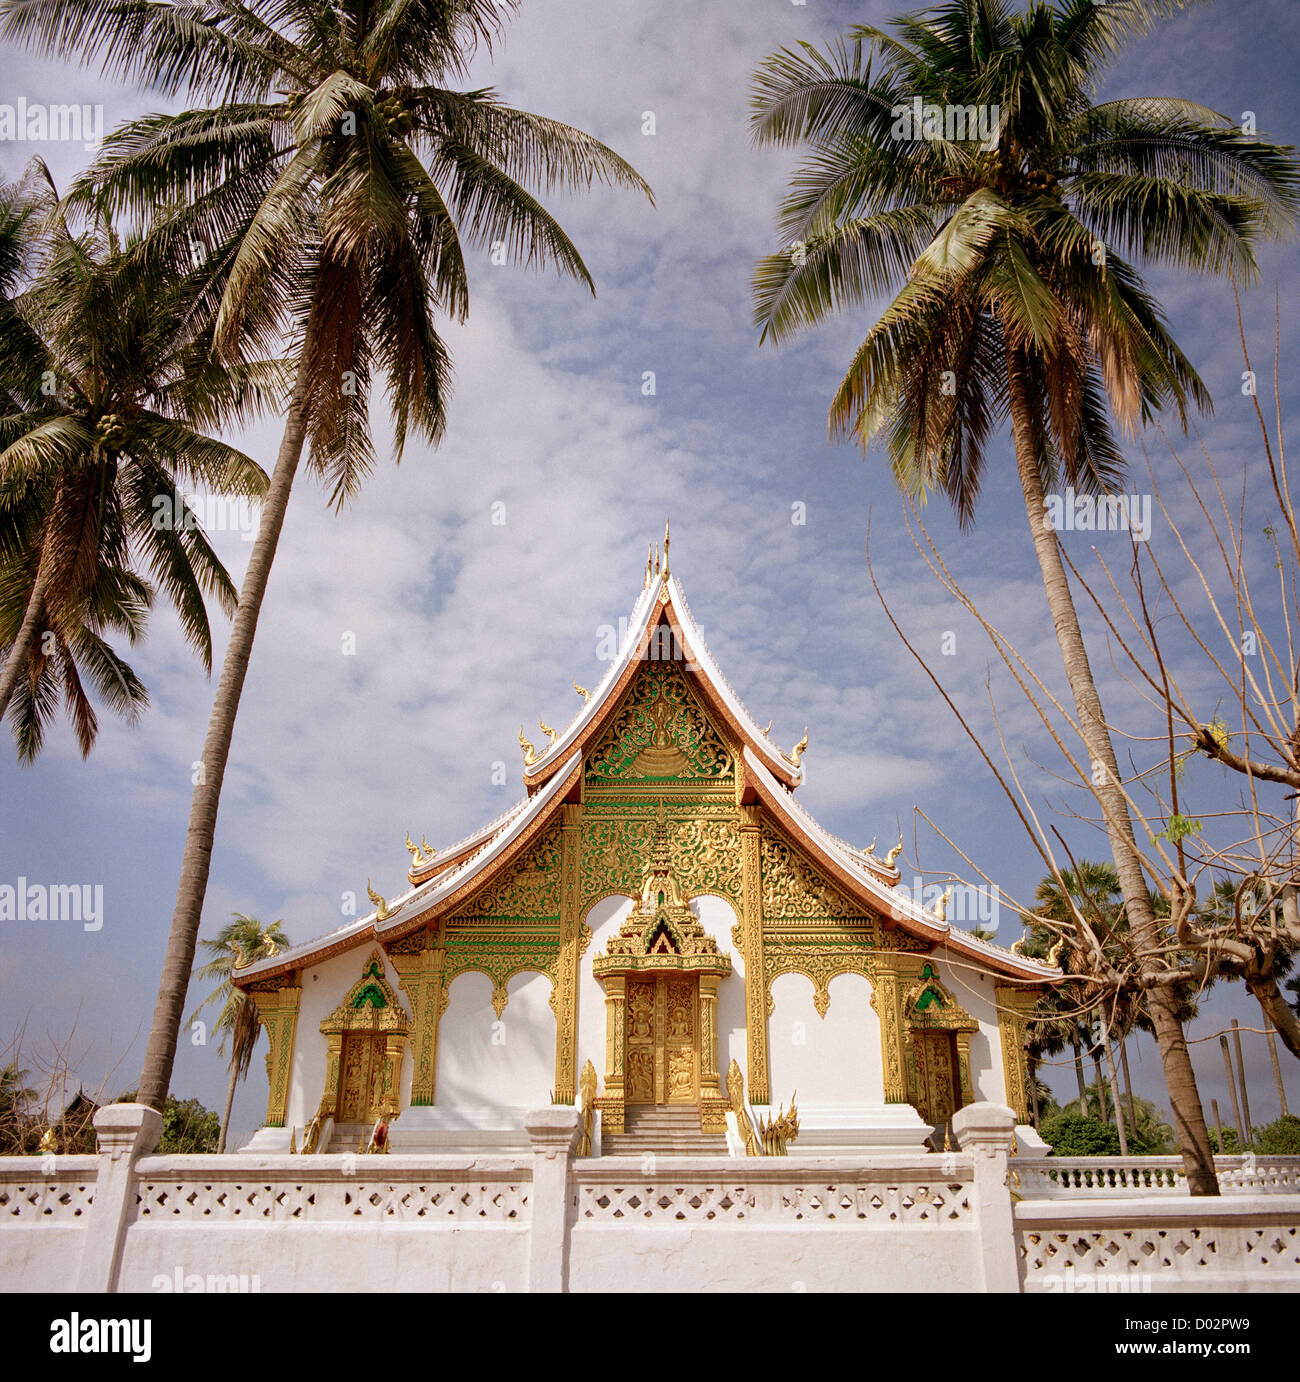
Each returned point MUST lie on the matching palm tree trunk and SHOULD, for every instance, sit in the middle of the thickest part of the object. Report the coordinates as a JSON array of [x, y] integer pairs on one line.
[[230, 1099], [1128, 1083], [1103, 1108], [1078, 1075], [27, 633], [1277, 1069], [160, 1054], [1180, 1079], [1114, 1098]]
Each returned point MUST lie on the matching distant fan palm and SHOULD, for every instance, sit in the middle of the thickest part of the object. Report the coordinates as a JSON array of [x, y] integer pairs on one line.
[[240, 942]]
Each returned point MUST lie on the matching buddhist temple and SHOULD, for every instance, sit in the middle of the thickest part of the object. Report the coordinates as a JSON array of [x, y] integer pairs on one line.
[[658, 932]]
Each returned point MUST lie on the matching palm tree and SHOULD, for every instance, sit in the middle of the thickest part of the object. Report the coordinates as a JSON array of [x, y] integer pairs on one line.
[[238, 943], [104, 420], [1229, 901], [329, 189], [1013, 301], [1092, 890]]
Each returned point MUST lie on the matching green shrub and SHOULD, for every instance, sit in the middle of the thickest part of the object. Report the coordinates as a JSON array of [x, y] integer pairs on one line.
[[1279, 1139], [1074, 1134]]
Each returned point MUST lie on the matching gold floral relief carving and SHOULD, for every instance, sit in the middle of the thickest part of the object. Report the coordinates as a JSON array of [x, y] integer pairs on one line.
[[613, 850], [792, 887], [706, 856], [528, 891]]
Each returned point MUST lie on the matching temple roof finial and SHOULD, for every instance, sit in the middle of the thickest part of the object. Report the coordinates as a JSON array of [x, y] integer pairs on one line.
[[665, 571]]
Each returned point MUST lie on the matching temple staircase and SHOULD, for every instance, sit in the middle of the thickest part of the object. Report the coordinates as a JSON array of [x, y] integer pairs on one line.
[[662, 1130], [345, 1136]]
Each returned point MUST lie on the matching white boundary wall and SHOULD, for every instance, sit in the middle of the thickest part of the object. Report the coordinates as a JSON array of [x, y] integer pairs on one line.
[[974, 1220]]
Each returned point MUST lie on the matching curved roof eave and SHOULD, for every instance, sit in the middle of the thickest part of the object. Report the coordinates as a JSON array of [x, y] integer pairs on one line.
[[854, 874], [418, 904]]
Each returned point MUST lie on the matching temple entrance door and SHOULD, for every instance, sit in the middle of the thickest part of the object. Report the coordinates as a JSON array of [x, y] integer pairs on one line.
[[361, 1076], [937, 1081], [662, 1040]]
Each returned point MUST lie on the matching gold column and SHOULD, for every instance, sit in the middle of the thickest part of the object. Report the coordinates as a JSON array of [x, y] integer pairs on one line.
[[895, 972], [709, 1034], [391, 1100], [610, 1103], [713, 1103], [278, 1010], [333, 1055], [1014, 1007], [566, 969], [755, 976], [963, 1068], [420, 977]]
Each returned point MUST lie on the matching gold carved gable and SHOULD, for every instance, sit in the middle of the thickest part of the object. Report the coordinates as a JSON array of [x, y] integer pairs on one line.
[[529, 890], [660, 733]]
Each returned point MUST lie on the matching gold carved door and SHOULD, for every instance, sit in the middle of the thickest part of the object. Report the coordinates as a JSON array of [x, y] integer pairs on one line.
[[661, 1040], [938, 1091], [361, 1076]]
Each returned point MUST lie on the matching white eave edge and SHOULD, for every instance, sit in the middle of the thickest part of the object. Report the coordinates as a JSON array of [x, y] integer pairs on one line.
[[425, 894], [645, 609], [857, 866]]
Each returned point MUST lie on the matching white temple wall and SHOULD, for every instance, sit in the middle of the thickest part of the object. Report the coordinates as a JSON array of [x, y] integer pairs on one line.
[[604, 918], [832, 1061], [501, 1065], [324, 986], [975, 993], [717, 917]]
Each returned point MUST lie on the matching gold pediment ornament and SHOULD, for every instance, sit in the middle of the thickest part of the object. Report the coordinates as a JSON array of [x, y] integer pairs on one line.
[[930, 1004], [370, 1005]]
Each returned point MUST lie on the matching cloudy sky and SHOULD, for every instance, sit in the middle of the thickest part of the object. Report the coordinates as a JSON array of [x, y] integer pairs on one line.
[[463, 626]]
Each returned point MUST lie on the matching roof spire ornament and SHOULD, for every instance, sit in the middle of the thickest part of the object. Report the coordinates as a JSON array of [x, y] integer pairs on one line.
[[649, 565], [796, 754], [894, 853], [546, 730], [582, 691], [381, 907], [429, 850], [665, 570], [417, 861], [768, 730], [941, 906], [530, 750]]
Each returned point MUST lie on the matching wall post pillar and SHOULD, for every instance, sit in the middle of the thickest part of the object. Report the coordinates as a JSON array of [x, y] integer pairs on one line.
[[987, 1131], [553, 1132], [126, 1133]]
